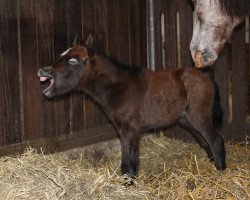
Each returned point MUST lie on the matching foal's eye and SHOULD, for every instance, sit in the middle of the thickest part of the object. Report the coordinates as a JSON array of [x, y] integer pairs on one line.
[[73, 61]]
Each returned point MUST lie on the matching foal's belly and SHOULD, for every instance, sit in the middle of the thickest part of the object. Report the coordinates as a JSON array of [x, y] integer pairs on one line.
[[158, 113], [164, 101]]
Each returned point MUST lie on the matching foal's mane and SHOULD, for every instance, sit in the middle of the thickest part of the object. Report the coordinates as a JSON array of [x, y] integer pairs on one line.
[[238, 8], [132, 70]]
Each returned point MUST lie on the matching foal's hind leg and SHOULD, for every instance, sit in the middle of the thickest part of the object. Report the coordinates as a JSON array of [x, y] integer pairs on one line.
[[203, 124], [185, 124]]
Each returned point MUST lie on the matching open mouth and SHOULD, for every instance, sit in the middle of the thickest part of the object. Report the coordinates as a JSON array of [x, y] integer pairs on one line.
[[46, 78]]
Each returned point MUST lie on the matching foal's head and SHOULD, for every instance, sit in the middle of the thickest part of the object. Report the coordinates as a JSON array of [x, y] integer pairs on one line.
[[213, 25], [66, 73]]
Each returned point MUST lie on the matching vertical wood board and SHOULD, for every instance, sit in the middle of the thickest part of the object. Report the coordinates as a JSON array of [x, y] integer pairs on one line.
[[10, 115]]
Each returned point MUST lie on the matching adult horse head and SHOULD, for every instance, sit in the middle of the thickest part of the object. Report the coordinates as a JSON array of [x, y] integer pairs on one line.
[[214, 21]]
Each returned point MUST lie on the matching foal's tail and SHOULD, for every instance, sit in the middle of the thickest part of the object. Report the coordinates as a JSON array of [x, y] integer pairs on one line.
[[217, 112]]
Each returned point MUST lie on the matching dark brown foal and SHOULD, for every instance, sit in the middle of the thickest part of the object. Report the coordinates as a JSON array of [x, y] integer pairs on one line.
[[137, 100]]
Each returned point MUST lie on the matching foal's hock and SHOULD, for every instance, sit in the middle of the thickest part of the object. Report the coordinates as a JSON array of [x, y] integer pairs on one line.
[[137, 100]]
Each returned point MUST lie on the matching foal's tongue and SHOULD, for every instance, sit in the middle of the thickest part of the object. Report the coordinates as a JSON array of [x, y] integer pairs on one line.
[[43, 78]]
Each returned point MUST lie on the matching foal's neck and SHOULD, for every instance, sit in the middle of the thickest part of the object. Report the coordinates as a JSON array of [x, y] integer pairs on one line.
[[107, 80], [109, 72]]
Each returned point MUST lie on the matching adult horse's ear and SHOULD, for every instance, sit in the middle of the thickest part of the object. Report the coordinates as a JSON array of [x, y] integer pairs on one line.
[[77, 42], [89, 41]]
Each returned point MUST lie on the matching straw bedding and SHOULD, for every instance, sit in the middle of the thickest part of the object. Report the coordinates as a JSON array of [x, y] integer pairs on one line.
[[169, 169]]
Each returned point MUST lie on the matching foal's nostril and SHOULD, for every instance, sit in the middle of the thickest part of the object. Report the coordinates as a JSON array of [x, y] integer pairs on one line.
[[48, 68]]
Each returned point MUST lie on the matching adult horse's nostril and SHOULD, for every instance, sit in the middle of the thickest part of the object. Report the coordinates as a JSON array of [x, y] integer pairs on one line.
[[195, 49], [199, 52], [199, 59], [206, 55]]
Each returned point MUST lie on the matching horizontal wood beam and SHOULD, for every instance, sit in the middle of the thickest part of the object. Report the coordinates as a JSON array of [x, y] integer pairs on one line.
[[63, 142]]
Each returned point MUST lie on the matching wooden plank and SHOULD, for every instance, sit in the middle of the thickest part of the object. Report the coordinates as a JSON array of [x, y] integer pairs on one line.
[[248, 81], [101, 23], [88, 18], [10, 116], [185, 11], [248, 64], [171, 33], [88, 24], [112, 36], [61, 43], [123, 40], [221, 77], [239, 85], [33, 109], [74, 19], [75, 30], [61, 40], [158, 11], [63, 142], [143, 34], [101, 36], [45, 52], [135, 32], [113, 20]]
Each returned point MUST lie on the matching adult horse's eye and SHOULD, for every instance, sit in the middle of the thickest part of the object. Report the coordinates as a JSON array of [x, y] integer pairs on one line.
[[73, 61]]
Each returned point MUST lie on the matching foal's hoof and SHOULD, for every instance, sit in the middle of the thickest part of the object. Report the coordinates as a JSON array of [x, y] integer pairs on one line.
[[128, 181], [221, 166]]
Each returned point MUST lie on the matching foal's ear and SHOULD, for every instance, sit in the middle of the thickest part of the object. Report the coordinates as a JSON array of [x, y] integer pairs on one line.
[[77, 42], [89, 41]]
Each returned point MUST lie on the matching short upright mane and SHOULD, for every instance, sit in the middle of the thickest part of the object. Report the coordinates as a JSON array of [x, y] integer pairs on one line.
[[238, 8], [130, 69]]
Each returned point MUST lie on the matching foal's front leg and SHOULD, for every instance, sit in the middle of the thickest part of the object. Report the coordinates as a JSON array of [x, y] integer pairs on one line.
[[130, 153]]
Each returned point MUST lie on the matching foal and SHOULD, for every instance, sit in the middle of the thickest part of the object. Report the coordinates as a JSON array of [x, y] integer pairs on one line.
[[137, 100]]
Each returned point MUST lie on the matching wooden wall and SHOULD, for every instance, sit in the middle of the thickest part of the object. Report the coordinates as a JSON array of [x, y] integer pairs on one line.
[[33, 33]]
